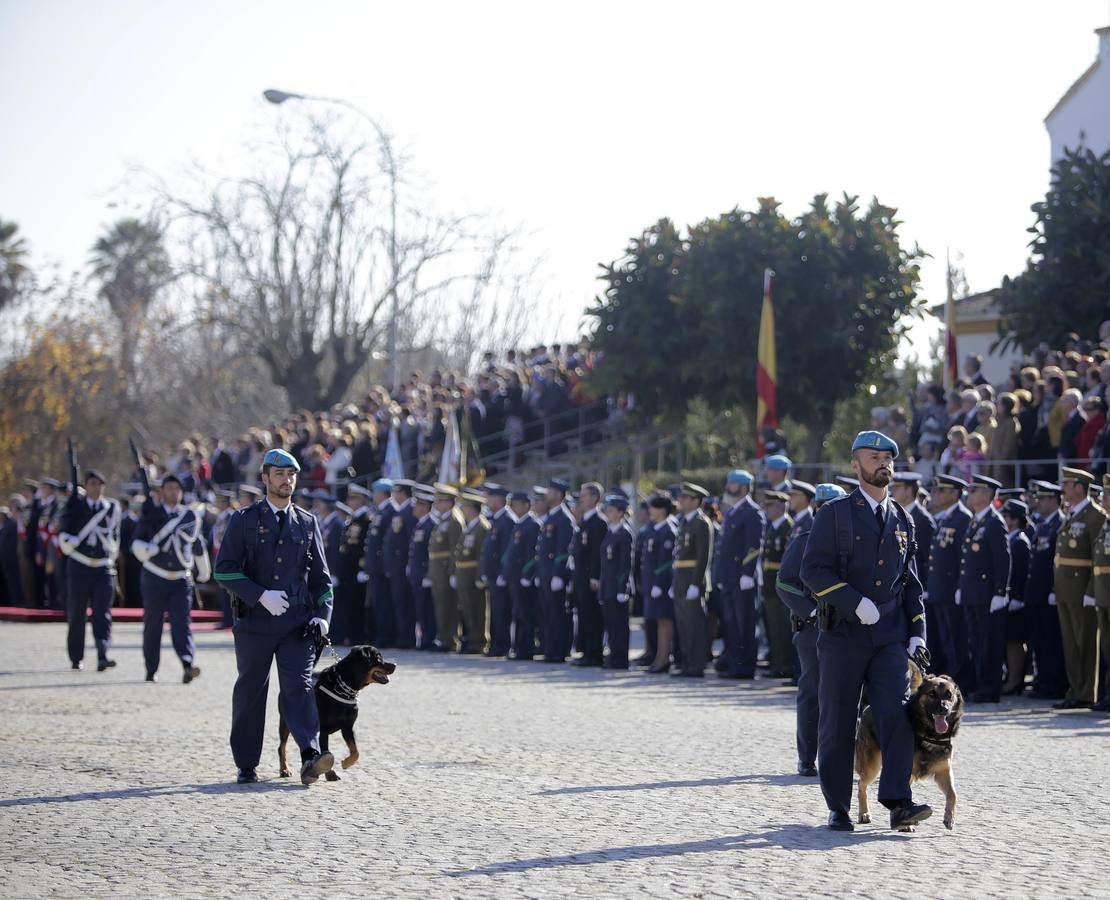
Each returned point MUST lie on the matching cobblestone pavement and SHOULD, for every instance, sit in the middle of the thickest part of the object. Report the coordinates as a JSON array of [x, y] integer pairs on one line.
[[491, 778]]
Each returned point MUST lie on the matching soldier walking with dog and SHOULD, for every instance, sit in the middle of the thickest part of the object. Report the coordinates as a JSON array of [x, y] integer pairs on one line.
[[859, 565], [272, 560], [89, 538]]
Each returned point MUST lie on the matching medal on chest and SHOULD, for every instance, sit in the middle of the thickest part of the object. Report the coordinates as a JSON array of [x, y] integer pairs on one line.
[[397, 524]]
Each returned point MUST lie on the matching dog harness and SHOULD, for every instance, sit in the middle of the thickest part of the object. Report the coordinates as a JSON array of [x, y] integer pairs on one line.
[[350, 696]]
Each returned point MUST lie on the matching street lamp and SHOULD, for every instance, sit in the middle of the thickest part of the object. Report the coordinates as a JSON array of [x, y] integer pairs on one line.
[[277, 97]]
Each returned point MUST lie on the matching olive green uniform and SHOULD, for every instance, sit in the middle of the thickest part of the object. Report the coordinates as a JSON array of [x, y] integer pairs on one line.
[[776, 615], [1075, 544], [441, 566], [473, 592], [692, 548]]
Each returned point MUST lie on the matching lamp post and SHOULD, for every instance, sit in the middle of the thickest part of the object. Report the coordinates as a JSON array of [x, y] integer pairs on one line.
[[278, 97]]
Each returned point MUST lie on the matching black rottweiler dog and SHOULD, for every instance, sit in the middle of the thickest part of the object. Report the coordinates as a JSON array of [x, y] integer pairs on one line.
[[337, 690]]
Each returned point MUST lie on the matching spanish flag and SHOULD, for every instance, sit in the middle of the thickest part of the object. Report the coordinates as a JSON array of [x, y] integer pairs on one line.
[[951, 361], [766, 374]]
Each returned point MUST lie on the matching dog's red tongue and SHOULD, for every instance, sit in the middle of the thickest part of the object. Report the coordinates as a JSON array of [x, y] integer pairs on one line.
[[940, 724]]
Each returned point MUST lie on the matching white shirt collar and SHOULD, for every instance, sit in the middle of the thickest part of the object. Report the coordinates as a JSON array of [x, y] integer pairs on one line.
[[174, 510], [589, 514], [1080, 506], [778, 521], [979, 516], [689, 517], [909, 509], [502, 511], [615, 526], [384, 504], [872, 502], [275, 510], [1010, 534], [470, 525], [428, 515]]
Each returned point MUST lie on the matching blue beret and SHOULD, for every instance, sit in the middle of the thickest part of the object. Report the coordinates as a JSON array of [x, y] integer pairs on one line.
[[951, 481], [778, 461], [617, 500], [520, 497], [740, 476], [384, 485], [495, 490], [874, 440], [559, 484], [283, 459], [826, 491]]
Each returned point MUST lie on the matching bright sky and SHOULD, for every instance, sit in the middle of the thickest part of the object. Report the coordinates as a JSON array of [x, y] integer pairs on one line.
[[583, 121]]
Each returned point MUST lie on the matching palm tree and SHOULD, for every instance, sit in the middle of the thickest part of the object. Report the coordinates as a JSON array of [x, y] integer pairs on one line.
[[131, 265], [13, 269]]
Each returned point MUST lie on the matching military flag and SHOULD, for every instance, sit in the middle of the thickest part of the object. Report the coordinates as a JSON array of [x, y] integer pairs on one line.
[[766, 374]]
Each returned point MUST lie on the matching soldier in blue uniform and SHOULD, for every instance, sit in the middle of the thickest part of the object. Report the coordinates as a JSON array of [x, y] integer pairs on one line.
[[272, 560], [518, 568], [904, 492], [1050, 679], [777, 469], [656, 574], [737, 558], [167, 542], [586, 574], [552, 553], [803, 623], [984, 585], [644, 527], [1015, 513], [416, 571], [380, 628], [947, 635], [859, 565], [331, 527], [89, 540], [395, 554], [349, 613], [616, 579], [502, 522]]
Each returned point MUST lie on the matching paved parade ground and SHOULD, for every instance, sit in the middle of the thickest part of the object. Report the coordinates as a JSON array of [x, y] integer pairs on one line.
[[488, 778]]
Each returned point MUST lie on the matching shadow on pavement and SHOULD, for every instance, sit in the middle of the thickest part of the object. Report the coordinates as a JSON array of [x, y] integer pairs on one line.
[[166, 790], [788, 837], [764, 780]]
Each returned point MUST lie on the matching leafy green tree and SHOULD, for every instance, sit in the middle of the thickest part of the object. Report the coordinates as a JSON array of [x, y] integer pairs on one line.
[[14, 273], [842, 289], [1066, 283]]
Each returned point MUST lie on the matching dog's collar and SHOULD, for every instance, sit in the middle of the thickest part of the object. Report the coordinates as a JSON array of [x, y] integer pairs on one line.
[[942, 742], [342, 692]]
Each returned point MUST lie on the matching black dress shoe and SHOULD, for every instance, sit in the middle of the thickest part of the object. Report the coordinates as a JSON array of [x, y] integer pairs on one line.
[[644, 659], [840, 821], [150, 676], [909, 814], [1102, 706], [77, 666], [247, 776], [807, 771], [314, 764], [660, 670], [584, 662], [686, 673], [1069, 704], [191, 672], [105, 663]]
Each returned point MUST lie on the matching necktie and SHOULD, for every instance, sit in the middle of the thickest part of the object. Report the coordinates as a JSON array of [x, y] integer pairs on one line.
[[281, 521], [879, 518]]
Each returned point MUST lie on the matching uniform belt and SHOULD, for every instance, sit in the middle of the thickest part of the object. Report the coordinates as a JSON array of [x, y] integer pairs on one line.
[[93, 562], [168, 574], [1102, 570], [439, 555], [685, 563], [1079, 563], [771, 566], [466, 565]]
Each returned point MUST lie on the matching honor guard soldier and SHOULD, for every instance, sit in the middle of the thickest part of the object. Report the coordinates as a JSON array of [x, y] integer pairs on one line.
[[324, 507], [225, 509], [1016, 516], [519, 571], [1050, 680], [349, 615], [395, 552], [737, 559], [693, 550], [586, 575], [441, 564], [501, 522], [775, 615], [380, 626], [89, 538], [467, 580], [947, 634], [800, 509], [272, 560], [859, 565], [639, 593], [41, 526], [1101, 571], [552, 569], [983, 592], [168, 543], [615, 579], [656, 575], [904, 491], [803, 624], [419, 578], [1075, 600]]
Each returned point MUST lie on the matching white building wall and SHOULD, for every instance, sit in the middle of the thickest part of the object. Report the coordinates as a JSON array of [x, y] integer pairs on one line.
[[1084, 118]]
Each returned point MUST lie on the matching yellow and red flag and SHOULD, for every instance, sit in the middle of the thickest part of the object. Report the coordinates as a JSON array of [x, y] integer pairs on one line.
[[951, 361], [766, 374]]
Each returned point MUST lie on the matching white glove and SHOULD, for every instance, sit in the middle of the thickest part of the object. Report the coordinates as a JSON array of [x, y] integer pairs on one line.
[[143, 550], [692, 592], [595, 585], [526, 582], [747, 583], [322, 624], [67, 543], [453, 581], [570, 563], [998, 602], [813, 615], [274, 601], [656, 592], [924, 596], [1052, 599], [557, 584], [670, 592], [1088, 600], [501, 582], [536, 581], [622, 598], [914, 644], [1016, 606], [426, 583], [362, 577], [957, 598], [867, 612]]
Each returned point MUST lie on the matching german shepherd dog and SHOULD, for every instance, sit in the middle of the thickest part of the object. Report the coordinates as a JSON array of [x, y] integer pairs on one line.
[[935, 708], [336, 694]]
